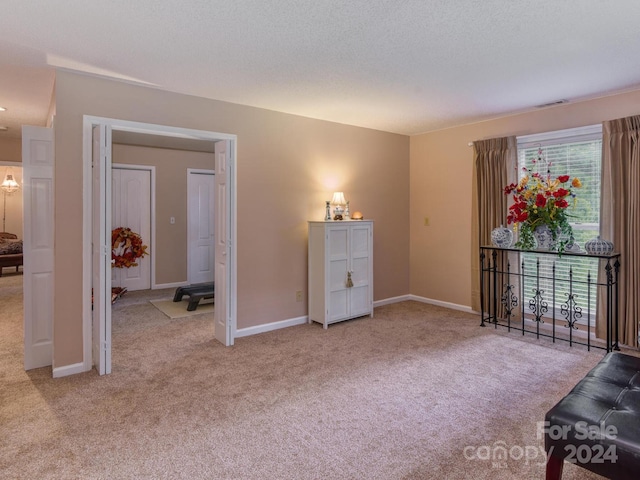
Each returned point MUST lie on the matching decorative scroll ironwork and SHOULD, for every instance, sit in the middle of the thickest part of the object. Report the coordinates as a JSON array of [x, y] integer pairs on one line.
[[509, 300], [538, 305], [571, 311]]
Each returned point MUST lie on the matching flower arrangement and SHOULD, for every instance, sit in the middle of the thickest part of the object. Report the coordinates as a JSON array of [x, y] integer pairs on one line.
[[126, 248], [541, 200]]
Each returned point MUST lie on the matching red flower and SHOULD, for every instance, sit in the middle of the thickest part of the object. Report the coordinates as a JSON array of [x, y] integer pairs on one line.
[[517, 217], [562, 203], [541, 200], [561, 192], [563, 178], [510, 188], [518, 207]]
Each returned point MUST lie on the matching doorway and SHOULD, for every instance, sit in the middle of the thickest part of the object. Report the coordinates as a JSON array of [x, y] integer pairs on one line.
[[11, 198], [225, 226]]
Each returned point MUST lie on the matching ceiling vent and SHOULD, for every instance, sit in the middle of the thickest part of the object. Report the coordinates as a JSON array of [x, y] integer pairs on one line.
[[551, 104]]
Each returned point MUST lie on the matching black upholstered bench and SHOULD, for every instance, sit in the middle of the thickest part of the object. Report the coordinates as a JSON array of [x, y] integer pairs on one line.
[[597, 425], [197, 292]]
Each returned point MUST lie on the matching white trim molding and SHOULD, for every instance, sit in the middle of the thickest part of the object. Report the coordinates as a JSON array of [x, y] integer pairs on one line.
[[453, 306], [67, 370], [390, 300], [268, 327]]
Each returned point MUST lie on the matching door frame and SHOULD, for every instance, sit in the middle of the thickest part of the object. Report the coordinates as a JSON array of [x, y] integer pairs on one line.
[[195, 171], [88, 122]]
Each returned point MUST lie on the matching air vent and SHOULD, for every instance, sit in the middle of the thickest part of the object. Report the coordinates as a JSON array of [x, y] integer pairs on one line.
[[551, 104]]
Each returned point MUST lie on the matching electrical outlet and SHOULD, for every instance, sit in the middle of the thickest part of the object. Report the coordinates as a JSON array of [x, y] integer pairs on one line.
[[299, 296], [426, 221]]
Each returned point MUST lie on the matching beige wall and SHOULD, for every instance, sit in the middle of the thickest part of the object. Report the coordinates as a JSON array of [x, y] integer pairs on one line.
[[287, 167], [171, 201], [441, 188], [10, 150]]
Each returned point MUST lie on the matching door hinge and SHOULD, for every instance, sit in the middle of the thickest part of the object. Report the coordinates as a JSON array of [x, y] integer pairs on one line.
[[106, 346]]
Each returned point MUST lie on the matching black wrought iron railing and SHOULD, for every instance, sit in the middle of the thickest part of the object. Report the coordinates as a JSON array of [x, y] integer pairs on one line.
[[543, 301]]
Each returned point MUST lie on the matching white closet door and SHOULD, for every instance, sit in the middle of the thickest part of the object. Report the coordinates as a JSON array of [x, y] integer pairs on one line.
[[131, 208], [201, 227], [361, 275], [38, 164], [338, 258]]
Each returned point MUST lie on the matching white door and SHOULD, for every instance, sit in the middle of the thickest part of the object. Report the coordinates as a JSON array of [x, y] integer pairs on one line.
[[38, 161], [201, 227], [360, 268], [131, 208], [221, 313], [101, 249], [338, 245]]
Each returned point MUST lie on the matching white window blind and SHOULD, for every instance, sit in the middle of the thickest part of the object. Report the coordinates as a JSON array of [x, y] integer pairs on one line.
[[574, 152]]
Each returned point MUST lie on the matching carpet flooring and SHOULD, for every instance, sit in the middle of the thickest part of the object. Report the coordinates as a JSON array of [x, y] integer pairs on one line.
[[417, 392]]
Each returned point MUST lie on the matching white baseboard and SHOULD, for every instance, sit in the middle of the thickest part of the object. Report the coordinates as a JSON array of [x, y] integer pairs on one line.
[[453, 306], [267, 327], [69, 370], [390, 300]]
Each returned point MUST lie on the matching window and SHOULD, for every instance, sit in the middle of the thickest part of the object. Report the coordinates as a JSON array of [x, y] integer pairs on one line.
[[578, 153]]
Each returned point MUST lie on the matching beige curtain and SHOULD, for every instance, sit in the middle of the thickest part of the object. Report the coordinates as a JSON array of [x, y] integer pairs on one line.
[[495, 163], [620, 219]]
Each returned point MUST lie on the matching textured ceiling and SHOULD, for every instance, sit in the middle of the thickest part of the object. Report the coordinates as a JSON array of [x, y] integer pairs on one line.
[[406, 66]]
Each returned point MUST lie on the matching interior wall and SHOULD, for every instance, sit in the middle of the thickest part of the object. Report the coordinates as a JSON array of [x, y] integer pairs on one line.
[[10, 149], [288, 166], [441, 169], [171, 201]]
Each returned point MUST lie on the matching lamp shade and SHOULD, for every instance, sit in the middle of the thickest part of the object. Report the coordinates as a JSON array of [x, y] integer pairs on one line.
[[9, 185], [338, 199]]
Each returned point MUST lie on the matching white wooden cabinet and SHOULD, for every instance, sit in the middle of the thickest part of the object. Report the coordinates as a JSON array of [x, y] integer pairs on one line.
[[339, 250]]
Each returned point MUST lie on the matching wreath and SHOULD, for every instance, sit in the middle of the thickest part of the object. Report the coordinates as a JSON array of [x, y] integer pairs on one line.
[[126, 248]]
